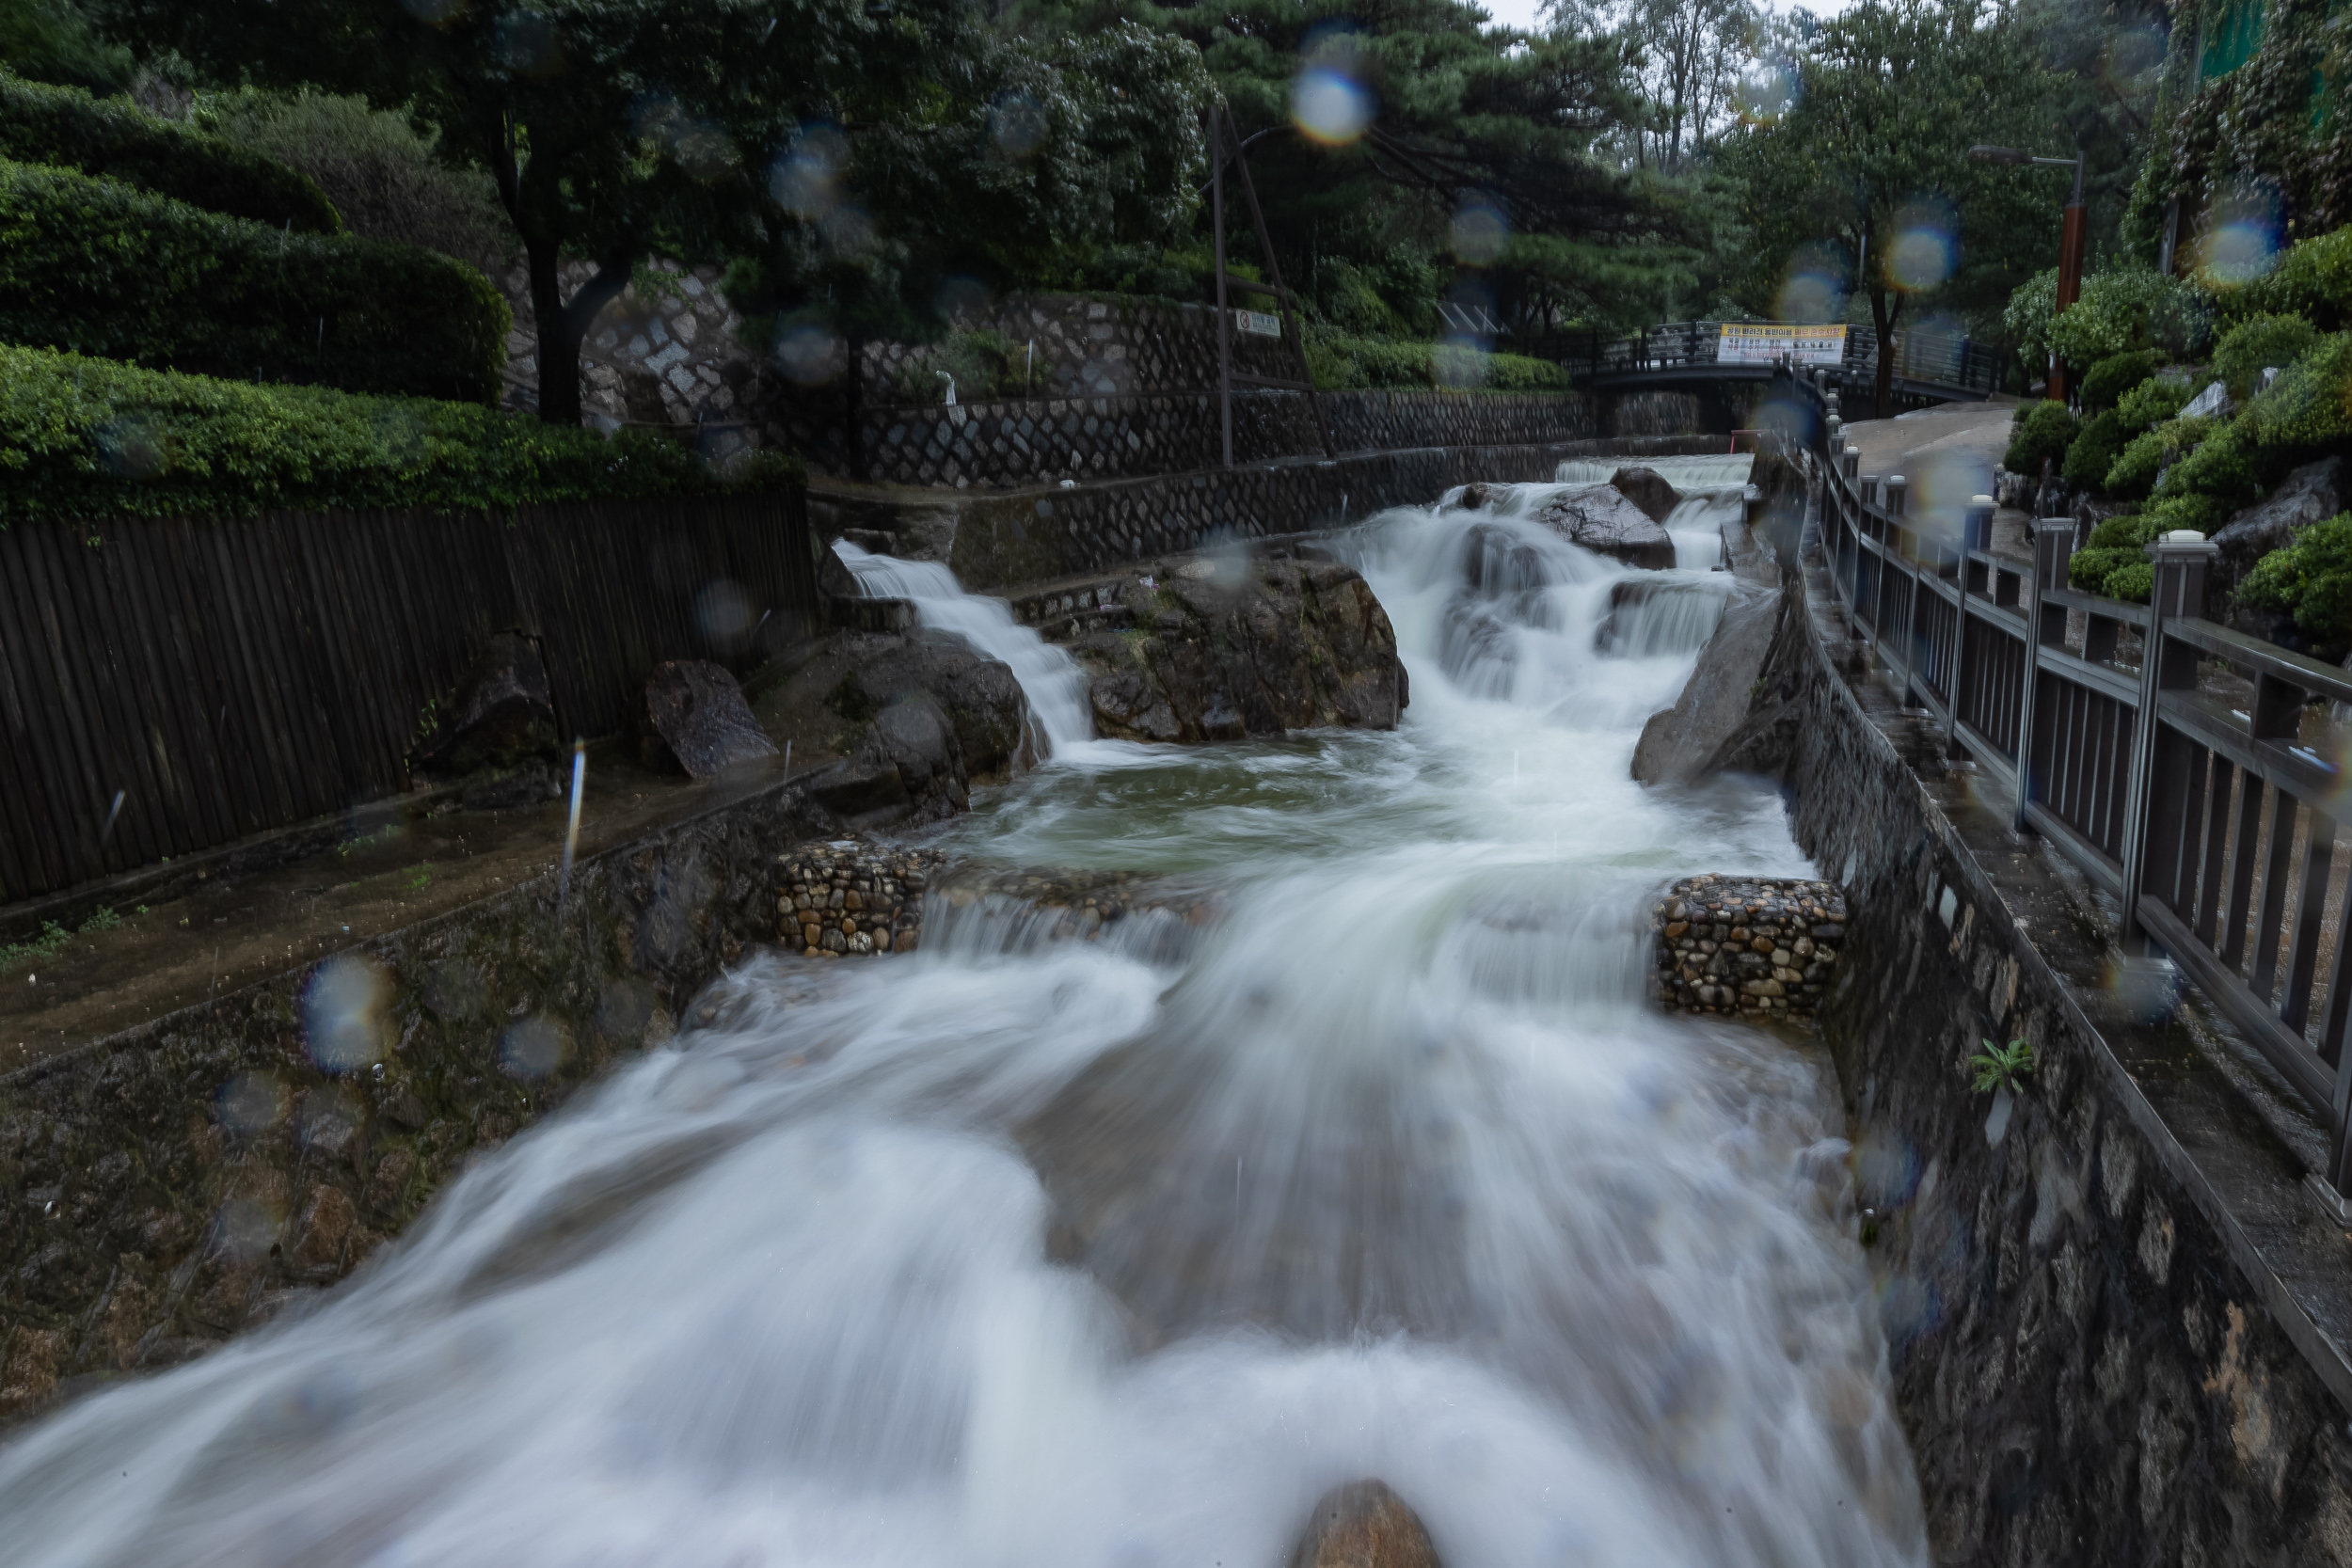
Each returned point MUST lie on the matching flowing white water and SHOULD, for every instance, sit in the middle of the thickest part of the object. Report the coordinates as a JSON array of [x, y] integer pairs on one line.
[[1056, 693], [1118, 1254], [1712, 488]]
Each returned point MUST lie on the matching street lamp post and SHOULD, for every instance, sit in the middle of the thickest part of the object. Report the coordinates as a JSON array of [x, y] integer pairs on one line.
[[2073, 238]]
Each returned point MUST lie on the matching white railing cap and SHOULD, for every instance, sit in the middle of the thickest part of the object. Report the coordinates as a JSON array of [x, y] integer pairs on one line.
[[1980, 501]]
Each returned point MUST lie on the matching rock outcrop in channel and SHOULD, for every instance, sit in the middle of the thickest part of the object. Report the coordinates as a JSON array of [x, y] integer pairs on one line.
[[1222, 648], [1364, 1525]]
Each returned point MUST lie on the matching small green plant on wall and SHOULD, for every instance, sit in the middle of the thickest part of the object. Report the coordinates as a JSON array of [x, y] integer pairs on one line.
[[2001, 1067]]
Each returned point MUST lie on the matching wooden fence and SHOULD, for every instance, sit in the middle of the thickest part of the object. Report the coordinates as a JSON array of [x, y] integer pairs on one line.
[[2179, 783], [227, 677]]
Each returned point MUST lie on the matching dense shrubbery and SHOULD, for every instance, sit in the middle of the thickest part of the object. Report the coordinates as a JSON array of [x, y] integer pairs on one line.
[[2095, 449], [93, 438], [2144, 459], [2257, 343], [374, 165], [2151, 403], [68, 128], [1341, 363], [102, 268], [2310, 579], [2117, 373], [2313, 279], [2041, 430], [2118, 312], [2090, 568], [984, 364]]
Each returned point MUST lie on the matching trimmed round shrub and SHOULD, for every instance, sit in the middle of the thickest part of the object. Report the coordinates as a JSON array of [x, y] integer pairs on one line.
[[2226, 463], [2257, 343], [66, 128], [2117, 373], [2128, 531], [2133, 584], [2093, 451], [2313, 279], [2310, 579], [2088, 570], [2041, 430], [2144, 457], [2150, 404], [101, 267], [96, 438], [2308, 410]]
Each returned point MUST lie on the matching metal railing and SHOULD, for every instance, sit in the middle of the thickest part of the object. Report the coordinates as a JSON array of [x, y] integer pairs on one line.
[[2210, 823], [1938, 358]]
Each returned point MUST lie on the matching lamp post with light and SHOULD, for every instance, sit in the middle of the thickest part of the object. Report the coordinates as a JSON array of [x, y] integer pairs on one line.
[[2073, 239]]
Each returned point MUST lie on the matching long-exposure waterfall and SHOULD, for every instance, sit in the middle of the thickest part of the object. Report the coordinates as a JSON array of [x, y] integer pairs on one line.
[[1118, 1254]]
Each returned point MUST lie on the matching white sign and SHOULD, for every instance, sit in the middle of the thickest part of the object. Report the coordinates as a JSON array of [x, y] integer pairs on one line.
[[1259, 322], [1766, 342]]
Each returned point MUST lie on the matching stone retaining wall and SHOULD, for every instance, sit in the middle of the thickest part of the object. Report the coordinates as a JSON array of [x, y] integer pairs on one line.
[[168, 1186], [1759, 946], [2093, 1353]]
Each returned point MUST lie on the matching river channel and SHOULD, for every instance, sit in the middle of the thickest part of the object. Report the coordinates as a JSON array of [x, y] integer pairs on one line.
[[1118, 1254]]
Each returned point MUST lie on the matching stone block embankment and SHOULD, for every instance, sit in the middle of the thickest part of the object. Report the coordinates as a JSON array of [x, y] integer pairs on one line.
[[1756, 946], [845, 896]]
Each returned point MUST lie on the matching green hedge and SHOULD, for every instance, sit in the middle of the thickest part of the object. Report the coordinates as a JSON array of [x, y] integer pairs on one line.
[[95, 439], [2039, 430], [68, 128], [2313, 279], [2310, 579], [2093, 451], [1343, 364], [104, 268], [2107, 381], [2257, 343]]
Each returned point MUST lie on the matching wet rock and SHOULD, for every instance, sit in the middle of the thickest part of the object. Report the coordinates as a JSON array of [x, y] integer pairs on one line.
[[2307, 494], [1647, 490], [502, 715], [908, 766], [1600, 518], [1654, 615], [840, 684], [1737, 712], [694, 719], [1478, 496], [1363, 1524], [1220, 650]]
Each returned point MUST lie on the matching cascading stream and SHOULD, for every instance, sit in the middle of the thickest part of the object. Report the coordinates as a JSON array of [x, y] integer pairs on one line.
[[1016, 1251], [1056, 691]]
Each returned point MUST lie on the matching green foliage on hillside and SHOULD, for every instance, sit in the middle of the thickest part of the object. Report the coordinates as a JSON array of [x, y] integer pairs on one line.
[[105, 268], [1339, 363], [95, 439], [2310, 579], [68, 128], [2257, 343], [2041, 430]]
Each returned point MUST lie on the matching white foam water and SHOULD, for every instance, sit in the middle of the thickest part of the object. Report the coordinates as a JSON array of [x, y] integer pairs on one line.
[[1117, 1255], [1055, 689]]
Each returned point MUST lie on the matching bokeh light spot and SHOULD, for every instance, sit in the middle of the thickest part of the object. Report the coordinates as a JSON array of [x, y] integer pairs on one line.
[[2242, 238], [1480, 233], [1926, 247], [1017, 125], [534, 1048], [1767, 93], [806, 180], [252, 1102], [811, 354], [345, 1021], [1329, 105]]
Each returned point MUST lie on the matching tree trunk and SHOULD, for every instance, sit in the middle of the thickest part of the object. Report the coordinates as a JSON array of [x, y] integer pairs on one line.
[[1883, 312], [562, 326]]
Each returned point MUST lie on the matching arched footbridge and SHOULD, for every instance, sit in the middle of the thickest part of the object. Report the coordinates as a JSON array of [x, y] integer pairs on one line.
[[1696, 355]]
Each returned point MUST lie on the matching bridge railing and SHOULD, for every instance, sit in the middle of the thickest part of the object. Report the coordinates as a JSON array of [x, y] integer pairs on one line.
[[2117, 732], [1933, 358]]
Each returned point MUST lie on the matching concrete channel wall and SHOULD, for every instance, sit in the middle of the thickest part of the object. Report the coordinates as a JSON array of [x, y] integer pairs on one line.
[[2107, 1307]]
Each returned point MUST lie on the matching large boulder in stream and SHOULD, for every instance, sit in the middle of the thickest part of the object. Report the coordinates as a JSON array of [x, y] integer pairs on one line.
[[1601, 519], [831, 690], [1229, 646], [1364, 1525], [1647, 490]]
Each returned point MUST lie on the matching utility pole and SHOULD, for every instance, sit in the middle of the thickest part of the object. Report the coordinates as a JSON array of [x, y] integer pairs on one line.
[[2073, 239]]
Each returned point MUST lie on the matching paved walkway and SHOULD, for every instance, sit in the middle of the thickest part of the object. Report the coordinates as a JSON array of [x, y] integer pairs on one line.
[[1948, 453]]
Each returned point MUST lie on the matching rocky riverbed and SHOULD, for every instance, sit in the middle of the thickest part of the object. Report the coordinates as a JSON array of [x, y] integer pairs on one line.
[[1757, 947]]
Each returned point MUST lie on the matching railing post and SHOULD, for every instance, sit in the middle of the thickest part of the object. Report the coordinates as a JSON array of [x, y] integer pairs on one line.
[[2045, 627], [2181, 559], [1976, 533]]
